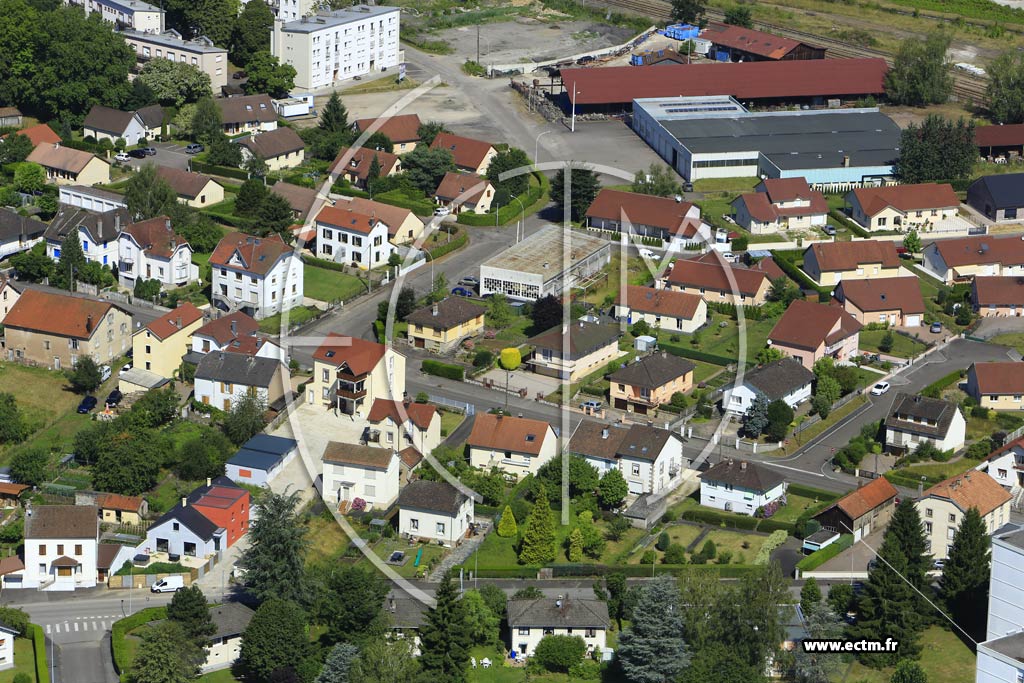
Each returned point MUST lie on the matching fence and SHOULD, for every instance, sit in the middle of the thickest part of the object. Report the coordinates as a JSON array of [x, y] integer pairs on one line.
[[467, 408]]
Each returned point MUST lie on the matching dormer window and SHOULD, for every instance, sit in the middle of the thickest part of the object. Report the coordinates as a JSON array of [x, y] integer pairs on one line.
[[530, 438]]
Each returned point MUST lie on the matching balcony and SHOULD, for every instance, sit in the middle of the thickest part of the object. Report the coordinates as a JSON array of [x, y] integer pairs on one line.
[[351, 391]]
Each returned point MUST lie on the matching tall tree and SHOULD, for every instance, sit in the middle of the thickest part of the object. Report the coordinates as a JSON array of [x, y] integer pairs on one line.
[[717, 663], [612, 489], [373, 172], [938, 149], [268, 75], [188, 608], [444, 638], [780, 415], [70, 262], [148, 195], [652, 649], [246, 418], [130, 462], [12, 422], [821, 623], [481, 621], [583, 188], [166, 655], [756, 418], [965, 575], [206, 121], [276, 640], [538, 544], [428, 130], [196, 227], [385, 661], [334, 117], [339, 663], [140, 96], [175, 83], [275, 216], [1005, 90], [426, 167], [210, 18], [29, 177], [810, 596], [658, 180], [920, 73], [20, 31], [507, 527], [251, 33], [224, 152], [688, 11], [33, 265], [30, 466], [250, 197], [509, 160], [14, 148], [352, 608], [739, 15], [275, 558], [547, 313]]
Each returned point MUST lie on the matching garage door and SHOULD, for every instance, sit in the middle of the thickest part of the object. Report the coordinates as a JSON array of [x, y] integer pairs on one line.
[[856, 535], [636, 487], [913, 321]]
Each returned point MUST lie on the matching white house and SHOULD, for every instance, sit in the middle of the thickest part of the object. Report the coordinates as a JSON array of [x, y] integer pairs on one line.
[[98, 232], [185, 531], [943, 506], [1001, 656], [233, 333], [18, 233], [60, 547], [351, 237], [1006, 466], [650, 459], [530, 620], [258, 276], [914, 420], [90, 198], [229, 621], [740, 486], [104, 123], [260, 459], [133, 14], [222, 378], [435, 512], [151, 250], [7, 636], [663, 309], [354, 471], [516, 445], [785, 379], [397, 425]]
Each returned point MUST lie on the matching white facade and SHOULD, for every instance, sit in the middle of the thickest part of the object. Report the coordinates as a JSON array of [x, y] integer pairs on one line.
[[90, 199], [739, 500], [338, 45], [133, 132], [377, 486], [941, 518], [220, 394], [202, 343], [105, 253], [739, 399], [259, 295], [400, 436], [436, 526], [999, 657], [953, 440], [135, 261], [1003, 467], [40, 571], [134, 14], [660, 475], [7, 636], [363, 250], [175, 538], [222, 653]]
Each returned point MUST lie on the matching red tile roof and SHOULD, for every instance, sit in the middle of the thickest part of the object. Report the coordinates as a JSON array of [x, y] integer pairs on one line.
[[858, 503], [743, 80], [694, 273], [358, 162], [906, 197], [970, 490], [155, 236], [9, 489], [39, 134], [883, 294], [662, 302], [454, 184], [401, 128], [640, 209], [508, 433], [997, 290], [258, 254], [466, 152], [421, 414], [748, 40], [60, 314], [999, 136], [220, 329], [965, 251], [843, 256], [115, 501], [393, 216], [345, 218], [185, 183], [807, 325], [993, 378], [174, 320], [410, 456], [359, 355], [762, 206]]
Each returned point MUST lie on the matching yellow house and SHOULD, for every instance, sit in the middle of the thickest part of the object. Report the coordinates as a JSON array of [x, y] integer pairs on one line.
[[465, 192], [903, 206], [441, 327], [650, 382], [575, 353], [469, 155], [117, 509], [829, 263], [349, 374], [997, 385], [943, 506], [280, 148], [195, 189], [66, 166], [160, 345], [515, 445]]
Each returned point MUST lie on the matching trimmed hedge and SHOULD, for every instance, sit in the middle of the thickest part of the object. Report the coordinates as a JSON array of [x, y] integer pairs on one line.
[[448, 247], [724, 571], [726, 308], [504, 572], [343, 187], [420, 207], [120, 630], [679, 350], [716, 518], [934, 390], [213, 169], [231, 219], [439, 369], [769, 525], [809, 492], [845, 221], [788, 265], [512, 210], [322, 263], [820, 557], [39, 646]]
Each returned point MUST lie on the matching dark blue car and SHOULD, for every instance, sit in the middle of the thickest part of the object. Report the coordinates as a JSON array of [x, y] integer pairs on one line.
[[461, 291], [87, 404]]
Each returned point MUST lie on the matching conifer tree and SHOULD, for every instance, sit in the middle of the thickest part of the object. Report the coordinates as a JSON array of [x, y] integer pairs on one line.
[[444, 638], [538, 544], [507, 527], [964, 582]]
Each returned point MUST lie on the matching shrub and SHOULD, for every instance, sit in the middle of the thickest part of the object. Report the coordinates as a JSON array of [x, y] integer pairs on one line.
[[663, 541], [358, 505], [774, 540], [587, 670], [724, 557], [676, 554], [648, 557], [118, 631], [979, 411], [709, 550], [22, 677], [436, 367], [483, 358], [559, 653], [39, 645], [820, 557], [979, 449]]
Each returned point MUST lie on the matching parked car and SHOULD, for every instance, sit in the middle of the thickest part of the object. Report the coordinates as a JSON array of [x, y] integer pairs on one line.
[[442, 211], [469, 281], [729, 256], [829, 229], [591, 405], [462, 291], [104, 373], [879, 388], [687, 186], [586, 59], [238, 75], [150, 151], [169, 584], [935, 328], [124, 369], [193, 148], [647, 253], [137, 153], [113, 399], [87, 404], [938, 564], [122, 157]]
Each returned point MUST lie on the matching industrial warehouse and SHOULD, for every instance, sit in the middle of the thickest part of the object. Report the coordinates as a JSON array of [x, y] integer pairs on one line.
[[716, 137]]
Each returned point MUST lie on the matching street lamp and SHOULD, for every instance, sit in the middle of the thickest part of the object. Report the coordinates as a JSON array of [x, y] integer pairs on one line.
[[536, 146], [572, 128], [522, 216]]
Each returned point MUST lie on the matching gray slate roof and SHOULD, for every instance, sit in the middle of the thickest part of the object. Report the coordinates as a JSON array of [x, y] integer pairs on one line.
[[742, 474], [230, 619], [597, 440], [435, 496], [451, 312], [13, 226], [934, 416], [583, 338], [101, 227], [238, 368], [1006, 189], [653, 371], [546, 613], [779, 378]]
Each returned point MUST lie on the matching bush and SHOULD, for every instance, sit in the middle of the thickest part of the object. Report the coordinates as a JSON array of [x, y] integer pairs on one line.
[[934, 390], [483, 358], [120, 629], [447, 370], [648, 557], [979, 449], [774, 540], [676, 554], [716, 518], [39, 646], [446, 248], [820, 557], [559, 653], [22, 677], [587, 670], [709, 550], [979, 411], [663, 541], [774, 525]]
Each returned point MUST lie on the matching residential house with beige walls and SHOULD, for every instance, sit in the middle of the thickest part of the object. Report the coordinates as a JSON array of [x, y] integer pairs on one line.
[[200, 52], [402, 130], [470, 156], [529, 620], [160, 346], [649, 458], [135, 14], [943, 506], [716, 283], [234, 333], [118, 509], [997, 385], [280, 148], [349, 374], [643, 214], [465, 192], [903, 207], [998, 297], [810, 331], [260, 276], [151, 250], [958, 260], [301, 199], [649, 382], [11, 117], [403, 225], [194, 189], [400, 424], [441, 327], [914, 420], [104, 123], [354, 471], [222, 378], [55, 330], [575, 352], [225, 647], [67, 166], [247, 114], [518, 446], [780, 204], [354, 164], [345, 235], [663, 309], [829, 263], [894, 301], [60, 547], [434, 512], [10, 291]]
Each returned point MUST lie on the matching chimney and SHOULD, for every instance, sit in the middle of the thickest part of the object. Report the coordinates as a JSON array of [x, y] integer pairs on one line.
[[184, 501], [846, 161], [967, 476], [436, 310], [179, 322], [117, 222], [920, 489], [88, 323], [664, 354], [209, 482]]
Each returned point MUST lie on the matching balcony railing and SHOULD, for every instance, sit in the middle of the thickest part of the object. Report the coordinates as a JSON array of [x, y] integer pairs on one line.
[[351, 391]]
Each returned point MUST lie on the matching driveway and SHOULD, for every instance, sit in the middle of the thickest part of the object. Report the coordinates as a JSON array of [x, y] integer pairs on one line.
[[991, 327], [856, 557], [168, 154]]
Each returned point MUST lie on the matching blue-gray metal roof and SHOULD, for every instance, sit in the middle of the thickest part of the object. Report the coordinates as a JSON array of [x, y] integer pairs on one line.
[[319, 22], [265, 443], [1006, 189], [256, 460]]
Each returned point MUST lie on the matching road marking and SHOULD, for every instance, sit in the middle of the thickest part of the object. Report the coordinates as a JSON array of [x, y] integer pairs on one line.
[[94, 626], [104, 625], [786, 467], [47, 629], [76, 627]]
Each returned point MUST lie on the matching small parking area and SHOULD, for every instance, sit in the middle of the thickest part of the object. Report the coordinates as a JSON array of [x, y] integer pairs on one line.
[[533, 383], [168, 154], [856, 557]]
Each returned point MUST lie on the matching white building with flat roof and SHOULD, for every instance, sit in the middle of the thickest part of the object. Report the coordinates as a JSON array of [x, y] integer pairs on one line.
[[546, 262], [335, 46], [133, 14], [200, 52], [1001, 656]]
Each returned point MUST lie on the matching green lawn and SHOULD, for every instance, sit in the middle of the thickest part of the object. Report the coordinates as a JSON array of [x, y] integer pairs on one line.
[[49, 398], [330, 285], [296, 316], [737, 185], [220, 676], [450, 421], [168, 492], [724, 341], [704, 370], [733, 541], [945, 659], [795, 505], [903, 346], [1014, 339], [981, 427], [819, 427], [637, 273], [24, 661], [384, 547], [937, 471], [327, 540]]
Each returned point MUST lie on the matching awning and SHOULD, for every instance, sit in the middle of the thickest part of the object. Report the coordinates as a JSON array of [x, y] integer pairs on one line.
[[65, 561]]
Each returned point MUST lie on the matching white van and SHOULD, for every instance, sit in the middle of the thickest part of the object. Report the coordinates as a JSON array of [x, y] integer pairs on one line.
[[169, 585]]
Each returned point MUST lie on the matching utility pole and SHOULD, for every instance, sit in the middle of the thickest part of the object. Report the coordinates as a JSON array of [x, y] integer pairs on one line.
[[478, 43]]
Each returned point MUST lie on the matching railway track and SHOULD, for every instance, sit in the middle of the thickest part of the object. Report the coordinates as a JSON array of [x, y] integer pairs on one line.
[[964, 86]]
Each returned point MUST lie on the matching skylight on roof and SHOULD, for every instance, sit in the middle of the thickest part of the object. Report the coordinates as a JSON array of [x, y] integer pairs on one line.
[[330, 354], [531, 438]]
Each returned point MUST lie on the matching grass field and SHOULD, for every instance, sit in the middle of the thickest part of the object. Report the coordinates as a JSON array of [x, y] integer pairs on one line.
[[794, 506], [384, 547], [724, 341], [945, 659], [704, 370], [450, 421], [725, 184], [819, 427], [296, 316], [221, 676], [330, 285], [327, 540], [637, 273], [1014, 339], [981, 427], [50, 396], [938, 470], [733, 541], [24, 661], [903, 346]]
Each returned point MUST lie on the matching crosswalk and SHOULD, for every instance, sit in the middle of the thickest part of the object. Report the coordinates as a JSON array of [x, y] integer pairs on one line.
[[96, 623]]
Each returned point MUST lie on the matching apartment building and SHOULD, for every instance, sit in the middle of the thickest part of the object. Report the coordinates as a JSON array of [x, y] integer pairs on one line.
[[259, 276], [200, 52], [943, 506], [349, 374], [151, 250], [133, 14]]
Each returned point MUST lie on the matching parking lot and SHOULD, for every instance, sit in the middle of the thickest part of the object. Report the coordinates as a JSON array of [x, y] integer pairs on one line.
[[168, 154]]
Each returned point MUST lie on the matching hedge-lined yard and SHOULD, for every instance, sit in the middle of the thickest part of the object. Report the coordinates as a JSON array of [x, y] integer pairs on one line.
[[820, 557]]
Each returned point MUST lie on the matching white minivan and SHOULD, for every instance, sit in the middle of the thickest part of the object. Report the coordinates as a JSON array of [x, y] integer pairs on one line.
[[169, 584]]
